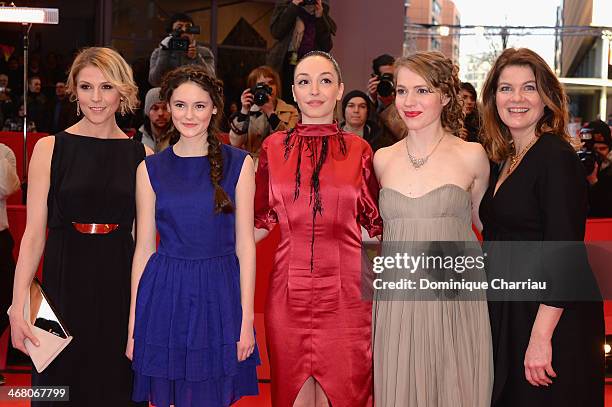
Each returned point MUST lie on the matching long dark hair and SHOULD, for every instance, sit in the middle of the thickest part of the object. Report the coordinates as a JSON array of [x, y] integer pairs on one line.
[[198, 74]]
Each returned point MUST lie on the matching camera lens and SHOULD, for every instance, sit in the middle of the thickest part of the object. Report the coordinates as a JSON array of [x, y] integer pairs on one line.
[[260, 98], [385, 88]]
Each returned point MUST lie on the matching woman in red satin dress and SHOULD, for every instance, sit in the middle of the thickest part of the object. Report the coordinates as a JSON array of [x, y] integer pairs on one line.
[[317, 183]]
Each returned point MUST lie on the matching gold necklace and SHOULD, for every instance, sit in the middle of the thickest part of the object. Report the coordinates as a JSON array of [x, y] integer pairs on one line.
[[419, 162], [516, 158]]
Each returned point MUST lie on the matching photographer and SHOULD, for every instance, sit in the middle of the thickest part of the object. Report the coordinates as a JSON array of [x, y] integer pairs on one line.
[[179, 48], [262, 112], [594, 155], [381, 90], [300, 26], [380, 85]]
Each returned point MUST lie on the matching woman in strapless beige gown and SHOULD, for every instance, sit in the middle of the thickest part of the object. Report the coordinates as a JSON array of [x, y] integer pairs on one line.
[[431, 353]]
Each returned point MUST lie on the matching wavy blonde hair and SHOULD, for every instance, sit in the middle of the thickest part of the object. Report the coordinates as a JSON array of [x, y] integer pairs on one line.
[[442, 75], [495, 135], [115, 70]]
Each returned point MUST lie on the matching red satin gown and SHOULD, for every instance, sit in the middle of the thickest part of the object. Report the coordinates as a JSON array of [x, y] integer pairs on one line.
[[316, 321]]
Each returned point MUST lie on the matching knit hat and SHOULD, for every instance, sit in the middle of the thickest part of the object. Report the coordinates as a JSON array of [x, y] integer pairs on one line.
[[355, 94], [151, 99]]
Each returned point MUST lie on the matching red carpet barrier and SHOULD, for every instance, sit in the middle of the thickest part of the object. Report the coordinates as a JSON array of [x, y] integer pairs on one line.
[[15, 142]]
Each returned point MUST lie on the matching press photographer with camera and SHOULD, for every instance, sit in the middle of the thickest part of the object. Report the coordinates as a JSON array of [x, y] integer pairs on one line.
[[381, 90], [179, 48], [380, 84], [262, 112], [300, 26], [594, 155]]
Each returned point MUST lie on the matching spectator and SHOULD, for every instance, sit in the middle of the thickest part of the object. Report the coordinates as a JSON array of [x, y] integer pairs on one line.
[[7, 107], [63, 113], [382, 69], [299, 29], [154, 131], [179, 48], [15, 75], [356, 108], [391, 128], [37, 104], [15, 123], [9, 183], [471, 123], [600, 179], [54, 71], [261, 114]]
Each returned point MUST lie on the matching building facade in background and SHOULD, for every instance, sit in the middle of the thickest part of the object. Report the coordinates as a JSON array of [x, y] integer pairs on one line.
[[585, 60], [432, 13]]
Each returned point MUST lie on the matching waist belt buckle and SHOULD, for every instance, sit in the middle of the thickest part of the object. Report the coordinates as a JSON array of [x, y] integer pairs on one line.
[[95, 228]]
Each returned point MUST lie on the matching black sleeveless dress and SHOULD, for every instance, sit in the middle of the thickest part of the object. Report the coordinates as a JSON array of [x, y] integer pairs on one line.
[[87, 277]]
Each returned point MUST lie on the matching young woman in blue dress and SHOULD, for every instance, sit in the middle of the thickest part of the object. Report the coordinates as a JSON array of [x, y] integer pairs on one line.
[[191, 337]]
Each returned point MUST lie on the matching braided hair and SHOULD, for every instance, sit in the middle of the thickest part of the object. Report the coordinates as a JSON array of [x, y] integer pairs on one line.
[[198, 75]]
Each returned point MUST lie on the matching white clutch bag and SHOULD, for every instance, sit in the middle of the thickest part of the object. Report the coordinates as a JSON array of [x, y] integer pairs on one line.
[[47, 326]]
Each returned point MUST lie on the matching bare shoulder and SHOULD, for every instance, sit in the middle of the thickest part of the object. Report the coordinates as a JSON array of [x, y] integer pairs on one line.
[[469, 150], [43, 149], [382, 157]]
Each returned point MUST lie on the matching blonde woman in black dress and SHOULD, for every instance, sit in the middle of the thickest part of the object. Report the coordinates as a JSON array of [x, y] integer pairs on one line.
[[82, 188]]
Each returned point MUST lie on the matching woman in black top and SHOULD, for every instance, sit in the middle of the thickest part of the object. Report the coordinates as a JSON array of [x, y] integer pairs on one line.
[[550, 351]]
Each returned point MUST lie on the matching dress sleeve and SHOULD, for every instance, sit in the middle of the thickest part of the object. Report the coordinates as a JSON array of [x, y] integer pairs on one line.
[[368, 215], [563, 197], [265, 217], [563, 193]]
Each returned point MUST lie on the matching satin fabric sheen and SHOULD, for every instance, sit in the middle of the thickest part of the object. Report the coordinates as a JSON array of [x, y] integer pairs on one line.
[[316, 321]]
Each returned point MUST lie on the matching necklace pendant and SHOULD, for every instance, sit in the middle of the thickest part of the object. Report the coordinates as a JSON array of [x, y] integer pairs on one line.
[[418, 162]]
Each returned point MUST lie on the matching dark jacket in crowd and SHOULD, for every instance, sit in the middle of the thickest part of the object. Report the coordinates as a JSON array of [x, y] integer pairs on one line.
[[282, 25], [62, 114], [164, 60], [600, 195]]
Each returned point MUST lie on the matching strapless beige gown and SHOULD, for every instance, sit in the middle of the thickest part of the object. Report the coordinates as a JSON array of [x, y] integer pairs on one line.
[[430, 353]]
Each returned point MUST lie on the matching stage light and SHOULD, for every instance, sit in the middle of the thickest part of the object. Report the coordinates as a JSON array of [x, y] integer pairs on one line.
[[29, 15]]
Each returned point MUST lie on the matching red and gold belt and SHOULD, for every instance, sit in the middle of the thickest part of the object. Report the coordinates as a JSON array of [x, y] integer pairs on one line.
[[95, 228]]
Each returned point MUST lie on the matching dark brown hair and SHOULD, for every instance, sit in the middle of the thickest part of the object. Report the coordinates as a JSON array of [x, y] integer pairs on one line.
[[442, 75], [496, 136], [267, 72], [198, 74]]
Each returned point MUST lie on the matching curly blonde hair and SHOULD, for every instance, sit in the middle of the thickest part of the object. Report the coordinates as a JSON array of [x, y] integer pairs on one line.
[[442, 75], [115, 70]]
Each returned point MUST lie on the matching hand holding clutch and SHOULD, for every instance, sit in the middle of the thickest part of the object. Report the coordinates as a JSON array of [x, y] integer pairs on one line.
[[46, 326]]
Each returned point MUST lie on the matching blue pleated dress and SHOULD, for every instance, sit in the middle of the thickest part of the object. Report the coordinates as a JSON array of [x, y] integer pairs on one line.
[[188, 308]]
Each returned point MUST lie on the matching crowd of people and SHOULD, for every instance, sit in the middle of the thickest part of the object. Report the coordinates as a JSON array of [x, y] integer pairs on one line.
[[414, 157]]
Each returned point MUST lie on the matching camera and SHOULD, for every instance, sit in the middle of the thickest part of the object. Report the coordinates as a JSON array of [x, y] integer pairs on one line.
[[261, 93], [385, 86], [178, 42], [309, 2], [587, 154]]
